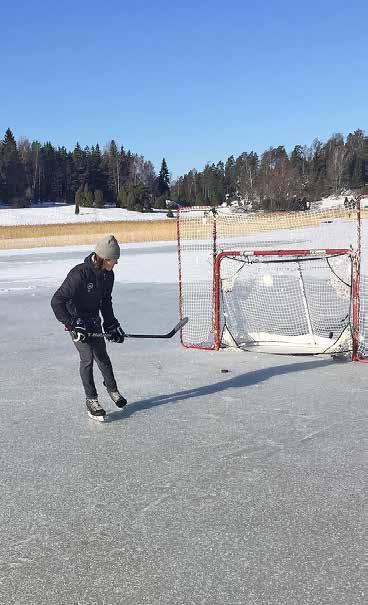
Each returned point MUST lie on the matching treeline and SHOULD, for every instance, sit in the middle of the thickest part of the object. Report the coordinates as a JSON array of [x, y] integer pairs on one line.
[[276, 180], [33, 172]]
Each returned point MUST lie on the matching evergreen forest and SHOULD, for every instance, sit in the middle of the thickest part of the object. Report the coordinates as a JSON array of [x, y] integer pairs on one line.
[[34, 172]]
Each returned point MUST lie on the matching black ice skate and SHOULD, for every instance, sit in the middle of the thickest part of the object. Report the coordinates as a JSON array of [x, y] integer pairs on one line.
[[95, 411], [117, 398]]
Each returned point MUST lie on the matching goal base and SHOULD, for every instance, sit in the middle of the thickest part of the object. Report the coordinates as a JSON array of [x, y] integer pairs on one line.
[[263, 342]]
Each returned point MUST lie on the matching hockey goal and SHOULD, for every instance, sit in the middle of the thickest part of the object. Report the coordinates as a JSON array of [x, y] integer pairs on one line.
[[241, 288]]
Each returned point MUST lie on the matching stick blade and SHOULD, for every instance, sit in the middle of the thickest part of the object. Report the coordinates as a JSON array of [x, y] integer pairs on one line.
[[181, 324]]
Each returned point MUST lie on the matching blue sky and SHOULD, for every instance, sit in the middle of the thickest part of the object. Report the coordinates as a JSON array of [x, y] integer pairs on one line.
[[193, 82]]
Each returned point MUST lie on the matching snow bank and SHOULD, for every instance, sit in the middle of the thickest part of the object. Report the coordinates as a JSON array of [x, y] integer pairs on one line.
[[65, 214]]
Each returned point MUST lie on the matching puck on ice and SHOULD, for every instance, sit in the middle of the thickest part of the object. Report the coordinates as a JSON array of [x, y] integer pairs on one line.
[[224, 371]]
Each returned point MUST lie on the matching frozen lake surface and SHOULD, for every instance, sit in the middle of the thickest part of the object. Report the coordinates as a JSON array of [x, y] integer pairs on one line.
[[246, 487]]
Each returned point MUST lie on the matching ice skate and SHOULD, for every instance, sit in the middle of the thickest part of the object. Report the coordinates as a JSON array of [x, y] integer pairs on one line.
[[117, 398], [95, 411]]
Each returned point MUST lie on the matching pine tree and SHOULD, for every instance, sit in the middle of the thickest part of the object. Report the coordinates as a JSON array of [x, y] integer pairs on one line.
[[49, 173], [163, 185], [63, 181], [79, 171], [297, 159], [112, 168], [97, 179], [13, 174]]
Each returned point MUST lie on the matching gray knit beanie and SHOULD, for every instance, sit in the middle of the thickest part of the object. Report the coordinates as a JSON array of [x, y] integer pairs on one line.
[[108, 248]]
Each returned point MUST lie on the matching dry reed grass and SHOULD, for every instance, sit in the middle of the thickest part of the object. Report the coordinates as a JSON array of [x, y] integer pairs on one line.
[[31, 236]]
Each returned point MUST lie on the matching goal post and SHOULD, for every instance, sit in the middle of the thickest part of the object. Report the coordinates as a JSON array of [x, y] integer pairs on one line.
[[284, 301], [284, 282]]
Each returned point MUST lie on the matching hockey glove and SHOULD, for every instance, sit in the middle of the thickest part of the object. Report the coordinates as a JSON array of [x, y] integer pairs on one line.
[[115, 333], [79, 331]]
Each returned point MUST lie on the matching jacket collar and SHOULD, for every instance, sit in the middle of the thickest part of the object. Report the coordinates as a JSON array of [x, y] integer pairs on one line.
[[90, 264]]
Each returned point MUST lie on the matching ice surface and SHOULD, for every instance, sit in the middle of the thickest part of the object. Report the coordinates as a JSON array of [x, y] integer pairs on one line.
[[241, 488]]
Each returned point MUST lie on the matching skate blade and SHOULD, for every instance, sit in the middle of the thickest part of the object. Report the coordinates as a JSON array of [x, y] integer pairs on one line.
[[98, 418]]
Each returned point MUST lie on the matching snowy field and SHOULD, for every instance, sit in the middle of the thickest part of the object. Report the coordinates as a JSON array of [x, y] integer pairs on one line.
[[61, 214], [209, 488]]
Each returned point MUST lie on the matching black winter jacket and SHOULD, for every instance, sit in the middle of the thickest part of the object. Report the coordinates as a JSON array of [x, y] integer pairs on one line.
[[85, 292]]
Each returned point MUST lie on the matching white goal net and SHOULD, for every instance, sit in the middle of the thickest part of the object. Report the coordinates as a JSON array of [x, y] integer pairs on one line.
[[287, 302]]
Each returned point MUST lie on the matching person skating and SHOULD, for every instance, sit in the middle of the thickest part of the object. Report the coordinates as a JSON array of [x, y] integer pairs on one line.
[[84, 295]]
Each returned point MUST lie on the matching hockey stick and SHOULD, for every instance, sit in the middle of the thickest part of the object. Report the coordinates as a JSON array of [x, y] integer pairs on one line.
[[170, 334]]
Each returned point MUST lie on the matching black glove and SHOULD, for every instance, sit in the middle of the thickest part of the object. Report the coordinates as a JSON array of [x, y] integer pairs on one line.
[[114, 333], [79, 331]]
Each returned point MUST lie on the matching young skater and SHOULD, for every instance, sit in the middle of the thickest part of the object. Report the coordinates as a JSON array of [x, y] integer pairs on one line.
[[78, 303]]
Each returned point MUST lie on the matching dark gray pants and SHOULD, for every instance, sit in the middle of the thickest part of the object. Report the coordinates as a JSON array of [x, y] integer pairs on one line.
[[95, 349]]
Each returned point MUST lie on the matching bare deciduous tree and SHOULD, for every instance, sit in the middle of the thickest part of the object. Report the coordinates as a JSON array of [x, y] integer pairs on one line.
[[336, 161]]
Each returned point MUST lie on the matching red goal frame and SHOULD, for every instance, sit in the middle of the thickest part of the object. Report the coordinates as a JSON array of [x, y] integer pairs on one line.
[[312, 253]]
